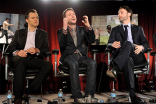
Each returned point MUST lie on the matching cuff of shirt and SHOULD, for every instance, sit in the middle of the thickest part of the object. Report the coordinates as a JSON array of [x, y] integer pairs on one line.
[[38, 53], [142, 49], [89, 28], [110, 44], [14, 53], [64, 31]]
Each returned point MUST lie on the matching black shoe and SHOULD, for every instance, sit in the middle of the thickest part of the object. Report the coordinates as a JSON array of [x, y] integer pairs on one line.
[[86, 95], [17, 101], [137, 100], [79, 100], [25, 97], [111, 74]]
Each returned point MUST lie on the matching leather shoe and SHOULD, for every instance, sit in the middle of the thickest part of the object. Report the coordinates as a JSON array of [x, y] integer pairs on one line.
[[138, 100], [25, 97], [17, 101], [111, 74], [79, 100]]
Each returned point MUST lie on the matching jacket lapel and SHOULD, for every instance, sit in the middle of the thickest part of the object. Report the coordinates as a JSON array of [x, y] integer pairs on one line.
[[121, 30], [70, 36], [78, 35], [134, 31], [38, 39], [24, 38]]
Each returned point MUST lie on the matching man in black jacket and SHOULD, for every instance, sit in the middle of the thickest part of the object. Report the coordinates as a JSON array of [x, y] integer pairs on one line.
[[71, 40], [27, 49], [129, 42]]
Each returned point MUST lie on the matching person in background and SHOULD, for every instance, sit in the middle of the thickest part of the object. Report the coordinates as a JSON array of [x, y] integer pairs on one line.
[[108, 30], [5, 29], [97, 36]]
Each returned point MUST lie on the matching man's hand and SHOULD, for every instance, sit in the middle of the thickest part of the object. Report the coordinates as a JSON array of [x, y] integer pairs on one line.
[[138, 49], [32, 50], [116, 44], [21, 53], [13, 25], [65, 23], [86, 21]]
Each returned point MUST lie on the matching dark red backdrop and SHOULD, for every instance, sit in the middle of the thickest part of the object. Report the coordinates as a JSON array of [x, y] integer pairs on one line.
[[50, 14]]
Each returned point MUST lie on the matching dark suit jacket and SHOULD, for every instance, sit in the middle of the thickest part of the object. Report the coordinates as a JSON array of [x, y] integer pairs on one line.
[[66, 42], [19, 41], [138, 36]]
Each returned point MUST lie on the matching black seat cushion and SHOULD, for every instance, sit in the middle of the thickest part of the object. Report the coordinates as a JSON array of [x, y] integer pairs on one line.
[[142, 65], [29, 71], [139, 66], [65, 69]]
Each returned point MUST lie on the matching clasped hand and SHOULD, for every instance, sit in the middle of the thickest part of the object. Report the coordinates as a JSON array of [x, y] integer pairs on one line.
[[138, 48], [23, 53]]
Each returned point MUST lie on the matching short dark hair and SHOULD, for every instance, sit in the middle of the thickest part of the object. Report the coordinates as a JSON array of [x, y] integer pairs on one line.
[[108, 27], [64, 12], [27, 14], [7, 19], [128, 10]]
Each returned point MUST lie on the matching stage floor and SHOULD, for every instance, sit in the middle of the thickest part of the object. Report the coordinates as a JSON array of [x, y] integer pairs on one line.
[[103, 96]]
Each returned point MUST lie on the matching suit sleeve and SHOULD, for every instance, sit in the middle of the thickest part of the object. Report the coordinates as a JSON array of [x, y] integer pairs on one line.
[[13, 45], [89, 35], [45, 46], [62, 38], [142, 39], [111, 37]]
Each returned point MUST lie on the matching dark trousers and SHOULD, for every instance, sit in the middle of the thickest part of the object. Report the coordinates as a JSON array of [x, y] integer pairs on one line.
[[4, 32], [20, 66], [126, 59], [73, 61]]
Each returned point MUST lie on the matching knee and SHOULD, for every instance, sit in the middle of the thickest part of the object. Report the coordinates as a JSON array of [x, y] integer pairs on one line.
[[128, 43], [19, 61], [19, 64], [73, 66]]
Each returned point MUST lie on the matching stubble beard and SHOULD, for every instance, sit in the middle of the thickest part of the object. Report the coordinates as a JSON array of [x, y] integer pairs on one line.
[[70, 23]]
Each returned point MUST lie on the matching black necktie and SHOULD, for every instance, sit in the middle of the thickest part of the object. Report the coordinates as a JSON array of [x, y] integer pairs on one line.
[[126, 32]]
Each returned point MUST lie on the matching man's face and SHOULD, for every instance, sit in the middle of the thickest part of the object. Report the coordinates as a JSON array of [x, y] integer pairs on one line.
[[33, 19], [123, 15], [7, 20], [71, 16]]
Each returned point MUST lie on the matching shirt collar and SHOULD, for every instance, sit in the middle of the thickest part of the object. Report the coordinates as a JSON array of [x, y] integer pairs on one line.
[[32, 31], [129, 25], [71, 28]]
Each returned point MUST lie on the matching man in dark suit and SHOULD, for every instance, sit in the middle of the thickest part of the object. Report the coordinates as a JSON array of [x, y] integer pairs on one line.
[[27, 49], [71, 40], [128, 42]]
